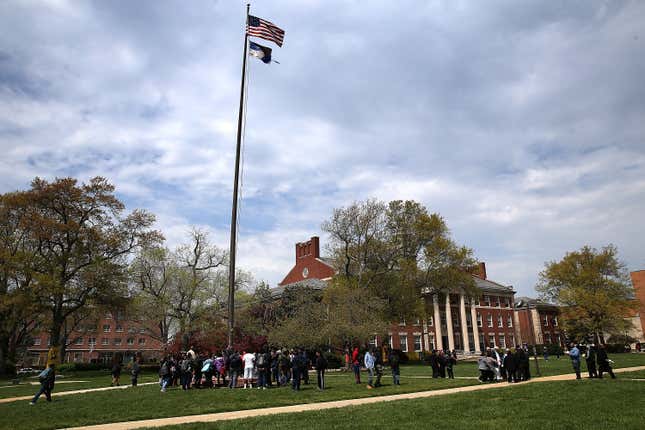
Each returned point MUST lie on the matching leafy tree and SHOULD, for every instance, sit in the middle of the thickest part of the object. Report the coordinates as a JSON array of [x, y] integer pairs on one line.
[[76, 241], [398, 251], [593, 289]]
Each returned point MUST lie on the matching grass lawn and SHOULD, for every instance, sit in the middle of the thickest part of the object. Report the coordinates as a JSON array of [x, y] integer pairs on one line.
[[597, 404], [147, 402]]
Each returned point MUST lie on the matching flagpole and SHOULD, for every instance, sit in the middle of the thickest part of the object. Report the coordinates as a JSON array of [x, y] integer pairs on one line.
[[232, 249]]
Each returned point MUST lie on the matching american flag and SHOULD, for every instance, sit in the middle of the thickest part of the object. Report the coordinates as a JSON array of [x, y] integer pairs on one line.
[[266, 30]]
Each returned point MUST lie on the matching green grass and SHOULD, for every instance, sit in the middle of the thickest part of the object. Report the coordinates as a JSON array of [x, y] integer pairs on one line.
[[146, 402], [597, 404]]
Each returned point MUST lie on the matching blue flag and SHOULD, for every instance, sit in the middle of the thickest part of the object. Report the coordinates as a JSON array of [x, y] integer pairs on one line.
[[261, 52]]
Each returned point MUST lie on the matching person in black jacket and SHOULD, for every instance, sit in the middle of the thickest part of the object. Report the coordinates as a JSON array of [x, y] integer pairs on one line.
[[604, 364], [235, 369], [591, 361], [320, 365], [510, 365], [434, 364], [394, 362]]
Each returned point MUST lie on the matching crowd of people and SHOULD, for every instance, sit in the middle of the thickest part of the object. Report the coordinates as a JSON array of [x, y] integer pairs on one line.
[[596, 360], [510, 365], [231, 368]]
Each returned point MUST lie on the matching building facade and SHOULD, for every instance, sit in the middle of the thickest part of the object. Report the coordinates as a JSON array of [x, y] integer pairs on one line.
[[538, 322], [451, 321], [638, 317], [99, 340]]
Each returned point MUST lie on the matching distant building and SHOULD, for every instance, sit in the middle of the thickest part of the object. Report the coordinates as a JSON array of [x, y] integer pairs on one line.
[[98, 340], [638, 316], [451, 321], [538, 322]]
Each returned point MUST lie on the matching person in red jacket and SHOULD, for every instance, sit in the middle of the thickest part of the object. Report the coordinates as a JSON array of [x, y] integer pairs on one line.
[[356, 365]]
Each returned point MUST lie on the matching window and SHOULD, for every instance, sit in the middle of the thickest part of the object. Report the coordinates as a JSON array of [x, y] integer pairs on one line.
[[455, 318], [142, 330], [431, 340], [555, 321], [486, 300], [479, 320], [402, 321], [502, 340], [130, 341], [547, 338], [431, 321], [558, 339], [500, 321], [142, 341], [512, 340], [373, 341], [491, 340], [106, 328], [469, 320], [105, 341], [49, 341], [108, 315], [388, 340], [417, 321], [403, 342], [92, 342], [417, 343], [546, 320], [489, 320], [131, 330], [509, 321], [496, 300], [78, 356], [482, 342], [78, 341], [117, 341], [119, 328], [37, 341], [443, 318]]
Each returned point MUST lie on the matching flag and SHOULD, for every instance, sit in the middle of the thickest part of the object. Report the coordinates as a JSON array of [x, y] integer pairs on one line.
[[264, 29], [260, 52]]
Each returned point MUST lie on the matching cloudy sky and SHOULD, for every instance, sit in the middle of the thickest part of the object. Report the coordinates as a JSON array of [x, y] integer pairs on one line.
[[521, 122]]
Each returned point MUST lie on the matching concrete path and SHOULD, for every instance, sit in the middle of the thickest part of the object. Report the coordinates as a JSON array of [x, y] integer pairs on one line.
[[67, 393], [233, 415]]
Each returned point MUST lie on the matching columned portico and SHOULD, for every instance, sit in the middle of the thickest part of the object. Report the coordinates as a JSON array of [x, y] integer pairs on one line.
[[437, 321], [473, 317], [464, 323], [451, 338]]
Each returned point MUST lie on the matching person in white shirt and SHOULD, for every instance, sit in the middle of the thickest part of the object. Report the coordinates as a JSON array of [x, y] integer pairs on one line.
[[249, 364]]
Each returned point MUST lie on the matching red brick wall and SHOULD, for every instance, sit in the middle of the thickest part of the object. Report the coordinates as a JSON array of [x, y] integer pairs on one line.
[[307, 254]]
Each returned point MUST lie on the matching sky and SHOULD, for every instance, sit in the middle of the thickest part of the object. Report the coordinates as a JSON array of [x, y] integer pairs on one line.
[[521, 122]]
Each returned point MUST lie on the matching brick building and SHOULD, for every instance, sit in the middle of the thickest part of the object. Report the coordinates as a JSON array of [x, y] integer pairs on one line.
[[638, 318], [538, 323], [451, 321], [98, 340]]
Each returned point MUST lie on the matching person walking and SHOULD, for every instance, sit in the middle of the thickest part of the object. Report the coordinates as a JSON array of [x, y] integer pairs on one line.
[[369, 365], [46, 379], [321, 366], [136, 369], [164, 374], [394, 362], [591, 361], [116, 372], [574, 355], [356, 365], [604, 363]]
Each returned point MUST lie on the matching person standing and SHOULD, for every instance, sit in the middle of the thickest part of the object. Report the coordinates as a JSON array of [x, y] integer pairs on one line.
[[591, 361], [136, 369], [369, 365], [441, 364], [186, 371], [164, 374], [321, 366], [249, 363], [604, 363], [509, 365], [356, 365], [394, 361], [450, 362], [235, 369], [263, 363], [46, 379], [574, 355], [434, 364], [116, 372], [378, 367], [296, 368]]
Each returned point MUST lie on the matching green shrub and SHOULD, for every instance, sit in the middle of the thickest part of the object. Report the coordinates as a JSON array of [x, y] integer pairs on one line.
[[334, 361]]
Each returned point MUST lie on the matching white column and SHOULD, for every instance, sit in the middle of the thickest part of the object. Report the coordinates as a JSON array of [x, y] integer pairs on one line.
[[464, 323], [473, 317], [451, 340], [426, 341], [437, 322]]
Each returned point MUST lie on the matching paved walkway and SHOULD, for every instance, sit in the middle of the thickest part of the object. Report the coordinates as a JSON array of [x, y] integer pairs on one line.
[[233, 415], [67, 393]]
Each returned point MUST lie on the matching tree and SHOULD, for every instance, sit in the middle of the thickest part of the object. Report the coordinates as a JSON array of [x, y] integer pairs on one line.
[[398, 251], [593, 289], [76, 243]]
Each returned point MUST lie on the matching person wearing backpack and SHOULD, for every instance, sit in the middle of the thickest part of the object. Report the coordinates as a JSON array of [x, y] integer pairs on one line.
[[394, 361], [263, 362], [321, 365], [207, 371], [46, 379], [236, 368], [186, 369]]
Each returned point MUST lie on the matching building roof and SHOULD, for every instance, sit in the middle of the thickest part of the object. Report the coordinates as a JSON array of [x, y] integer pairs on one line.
[[313, 283], [531, 303], [487, 285]]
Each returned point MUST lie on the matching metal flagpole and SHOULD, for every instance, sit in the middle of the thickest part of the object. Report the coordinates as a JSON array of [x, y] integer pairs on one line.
[[231, 274]]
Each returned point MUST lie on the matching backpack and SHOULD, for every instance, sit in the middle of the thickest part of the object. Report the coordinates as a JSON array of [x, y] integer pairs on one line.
[[163, 371], [261, 360], [394, 360], [206, 367], [185, 366]]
